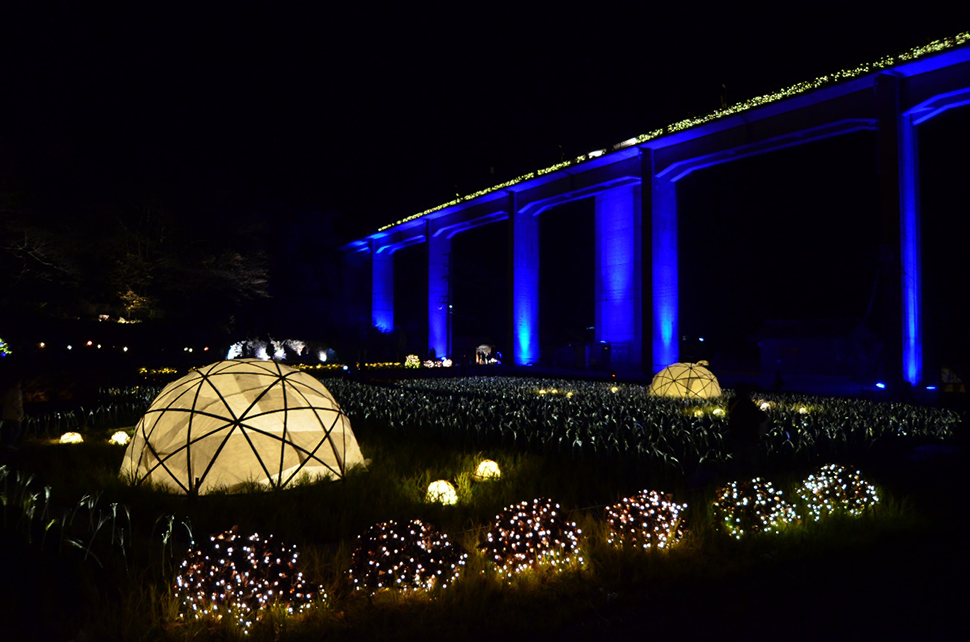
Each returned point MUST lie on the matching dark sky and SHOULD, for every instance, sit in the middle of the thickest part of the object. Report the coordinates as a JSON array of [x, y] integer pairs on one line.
[[380, 111]]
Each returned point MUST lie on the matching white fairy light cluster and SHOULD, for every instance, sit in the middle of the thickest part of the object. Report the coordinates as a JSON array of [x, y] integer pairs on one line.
[[237, 577], [532, 535], [748, 507], [647, 519], [835, 489], [407, 557], [885, 62]]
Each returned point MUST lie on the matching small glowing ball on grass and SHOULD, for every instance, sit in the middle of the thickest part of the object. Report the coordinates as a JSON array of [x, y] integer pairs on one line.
[[835, 489], [532, 535], [441, 492], [754, 506], [409, 556], [71, 438], [647, 519], [120, 438], [237, 577], [487, 470]]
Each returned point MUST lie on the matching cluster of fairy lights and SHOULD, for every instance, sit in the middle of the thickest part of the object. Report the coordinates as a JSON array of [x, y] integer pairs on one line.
[[885, 62], [647, 519], [754, 506], [236, 577], [835, 489], [412, 361], [532, 535], [404, 556]]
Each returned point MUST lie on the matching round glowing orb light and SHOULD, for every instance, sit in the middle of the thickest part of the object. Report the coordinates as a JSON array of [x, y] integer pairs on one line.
[[487, 470], [441, 492], [120, 438], [71, 438], [753, 506], [836, 489], [532, 535], [647, 519]]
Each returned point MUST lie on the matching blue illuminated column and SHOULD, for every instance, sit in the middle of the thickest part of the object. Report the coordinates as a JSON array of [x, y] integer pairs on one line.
[[663, 270], [382, 288], [618, 275], [439, 318], [909, 229], [525, 285]]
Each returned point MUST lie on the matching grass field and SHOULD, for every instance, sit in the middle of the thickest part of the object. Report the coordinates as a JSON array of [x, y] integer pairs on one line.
[[95, 555]]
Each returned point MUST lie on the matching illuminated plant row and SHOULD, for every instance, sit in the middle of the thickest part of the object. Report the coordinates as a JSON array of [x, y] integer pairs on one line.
[[754, 506], [592, 419]]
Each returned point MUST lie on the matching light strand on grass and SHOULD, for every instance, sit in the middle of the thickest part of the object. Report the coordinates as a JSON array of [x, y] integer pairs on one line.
[[647, 519], [835, 489], [238, 577], [532, 535], [753, 506], [406, 557]]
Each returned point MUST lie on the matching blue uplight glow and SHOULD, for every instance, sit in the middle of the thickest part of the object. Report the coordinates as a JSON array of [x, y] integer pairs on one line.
[[910, 251], [881, 385], [931, 387], [382, 290], [525, 288], [663, 218], [617, 266]]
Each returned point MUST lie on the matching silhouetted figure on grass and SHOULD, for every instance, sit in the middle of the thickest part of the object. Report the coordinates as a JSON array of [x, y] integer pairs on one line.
[[12, 414], [746, 425]]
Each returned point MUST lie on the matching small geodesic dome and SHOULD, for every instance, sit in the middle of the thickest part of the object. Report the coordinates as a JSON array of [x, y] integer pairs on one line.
[[234, 422], [686, 381]]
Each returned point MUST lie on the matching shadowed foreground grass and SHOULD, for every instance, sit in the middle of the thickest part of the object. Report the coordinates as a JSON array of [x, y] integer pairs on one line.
[[889, 574]]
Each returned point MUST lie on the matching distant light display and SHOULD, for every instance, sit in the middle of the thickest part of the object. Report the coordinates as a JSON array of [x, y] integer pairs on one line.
[[647, 519], [532, 535], [748, 507], [236, 577], [404, 556], [412, 361], [835, 489], [71, 438], [441, 492]]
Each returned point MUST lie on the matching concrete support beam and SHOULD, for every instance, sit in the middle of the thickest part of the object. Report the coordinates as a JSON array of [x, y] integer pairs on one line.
[[618, 275], [382, 288], [664, 277], [524, 242], [439, 294], [901, 308]]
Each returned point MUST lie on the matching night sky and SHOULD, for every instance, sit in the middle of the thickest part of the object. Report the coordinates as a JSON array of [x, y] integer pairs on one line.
[[363, 114]]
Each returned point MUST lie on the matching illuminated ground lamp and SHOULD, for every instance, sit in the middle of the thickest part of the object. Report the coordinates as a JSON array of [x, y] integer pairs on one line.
[[72, 438], [441, 492], [487, 470], [748, 507], [409, 556], [120, 438], [647, 519], [237, 577], [532, 535], [835, 489]]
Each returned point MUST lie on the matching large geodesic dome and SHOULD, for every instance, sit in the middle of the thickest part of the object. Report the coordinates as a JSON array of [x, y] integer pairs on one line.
[[237, 422], [686, 381]]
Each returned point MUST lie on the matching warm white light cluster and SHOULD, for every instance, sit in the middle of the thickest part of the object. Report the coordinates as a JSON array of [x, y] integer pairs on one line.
[[412, 361], [406, 557], [766, 99], [532, 535], [71, 438], [237, 577], [120, 438], [647, 519], [835, 489], [487, 470], [748, 507], [441, 492]]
